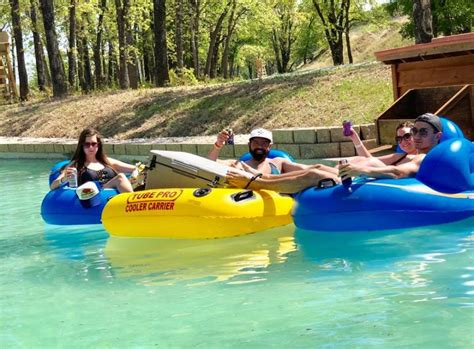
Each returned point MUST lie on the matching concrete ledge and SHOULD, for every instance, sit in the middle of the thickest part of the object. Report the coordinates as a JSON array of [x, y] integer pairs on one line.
[[323, 135], [240, 149], [203, 149], [370, 143], [338, 136], [305, 135], [189, 148], [319, 151], [173, 147], [131, 149], [144, 149], [227, 152], [301, 143], [30, 148], [158, 147], [283, 136], [368, 131], [108, 148], [347, 149], [292, 149], [119, 149]]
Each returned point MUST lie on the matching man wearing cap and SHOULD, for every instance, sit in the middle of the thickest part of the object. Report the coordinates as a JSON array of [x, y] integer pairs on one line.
[[260, 143], [427, 132]]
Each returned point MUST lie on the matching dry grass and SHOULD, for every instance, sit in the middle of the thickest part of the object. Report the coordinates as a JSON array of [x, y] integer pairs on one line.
[[310, 97], [315, 98]]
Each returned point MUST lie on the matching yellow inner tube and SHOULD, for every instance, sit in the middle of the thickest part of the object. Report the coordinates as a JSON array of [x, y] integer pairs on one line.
[[184, 213]]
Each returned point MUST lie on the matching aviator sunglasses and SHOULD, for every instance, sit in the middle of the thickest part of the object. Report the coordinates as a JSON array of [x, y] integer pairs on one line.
[[406, 137], [424, 132], [90, 144]]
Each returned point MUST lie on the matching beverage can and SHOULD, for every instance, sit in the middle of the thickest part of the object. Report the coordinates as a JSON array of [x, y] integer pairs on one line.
[[347, 124], [346, 181], [72, 177], [230, 140]]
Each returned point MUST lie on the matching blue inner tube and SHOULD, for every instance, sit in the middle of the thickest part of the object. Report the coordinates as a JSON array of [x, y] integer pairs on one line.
[[273, 153], [442, 192], [62, 206]]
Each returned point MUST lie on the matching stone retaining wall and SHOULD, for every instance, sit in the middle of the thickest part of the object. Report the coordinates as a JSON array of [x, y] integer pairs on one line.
[[302, 143]]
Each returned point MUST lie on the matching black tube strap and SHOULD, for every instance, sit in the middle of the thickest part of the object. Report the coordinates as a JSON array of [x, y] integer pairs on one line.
[[258, 175]]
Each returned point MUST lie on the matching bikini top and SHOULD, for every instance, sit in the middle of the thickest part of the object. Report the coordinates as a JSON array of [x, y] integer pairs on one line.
[[274, 169], [102, 176], [399, 159]]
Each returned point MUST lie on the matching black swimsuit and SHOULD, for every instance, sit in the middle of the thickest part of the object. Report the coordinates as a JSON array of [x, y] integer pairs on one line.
[[400, 159], [102, 176]]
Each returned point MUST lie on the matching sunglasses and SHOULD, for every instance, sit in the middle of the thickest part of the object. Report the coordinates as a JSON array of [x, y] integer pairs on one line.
[[90, 144], [406, 137], [424, 132]]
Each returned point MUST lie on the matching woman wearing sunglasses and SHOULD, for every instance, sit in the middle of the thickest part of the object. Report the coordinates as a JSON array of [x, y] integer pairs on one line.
[[404, 139], [92, 164]]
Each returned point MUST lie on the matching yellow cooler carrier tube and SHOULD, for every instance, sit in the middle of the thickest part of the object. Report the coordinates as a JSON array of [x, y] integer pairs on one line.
[[195, 213]]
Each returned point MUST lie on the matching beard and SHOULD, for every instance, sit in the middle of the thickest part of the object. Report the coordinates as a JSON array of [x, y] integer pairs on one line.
[[258, 154]]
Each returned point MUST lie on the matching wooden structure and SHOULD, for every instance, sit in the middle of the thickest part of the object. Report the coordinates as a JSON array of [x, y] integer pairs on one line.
[[437, 77], [7, 79]]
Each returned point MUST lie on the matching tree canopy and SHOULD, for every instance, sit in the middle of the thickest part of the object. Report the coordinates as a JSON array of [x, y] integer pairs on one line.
[[84, 45]]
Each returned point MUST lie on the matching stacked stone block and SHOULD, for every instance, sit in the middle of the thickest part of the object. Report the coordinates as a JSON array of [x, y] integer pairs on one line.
[[301, 143]]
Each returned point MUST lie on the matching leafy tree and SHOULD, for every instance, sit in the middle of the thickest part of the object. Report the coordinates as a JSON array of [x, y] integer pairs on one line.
[[449, 16]]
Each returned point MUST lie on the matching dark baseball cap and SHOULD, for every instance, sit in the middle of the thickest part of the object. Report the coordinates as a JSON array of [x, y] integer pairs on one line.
[[431, 119]]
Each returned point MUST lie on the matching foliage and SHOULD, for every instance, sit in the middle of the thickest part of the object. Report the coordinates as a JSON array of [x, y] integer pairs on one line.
[[184, 77], [284, 34], [449, 16]]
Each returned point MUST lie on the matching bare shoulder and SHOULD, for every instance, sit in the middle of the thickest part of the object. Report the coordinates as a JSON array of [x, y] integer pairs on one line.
[[277, 161], [418, 158]]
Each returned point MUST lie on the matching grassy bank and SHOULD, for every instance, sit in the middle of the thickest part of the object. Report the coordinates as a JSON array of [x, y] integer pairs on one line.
[[309, 98]]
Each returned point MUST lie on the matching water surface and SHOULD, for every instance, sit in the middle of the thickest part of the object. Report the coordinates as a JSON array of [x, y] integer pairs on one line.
[[75, 287]]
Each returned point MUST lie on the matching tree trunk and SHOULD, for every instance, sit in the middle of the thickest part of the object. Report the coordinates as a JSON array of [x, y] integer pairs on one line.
[[86, 60], [146, 66], [71, 54], [276, 51], [230, 29], [98, 71], [132, 67], [20, 54], [179, 34], [161, 50], [112, 66], [88, 83], [80, 64], [55, 61], [215, 57], [122, 7], [422, 21], [213, 38], [347, 27], [333, 20], [194, 29], [348, 47], [41, 69], [286, 41]]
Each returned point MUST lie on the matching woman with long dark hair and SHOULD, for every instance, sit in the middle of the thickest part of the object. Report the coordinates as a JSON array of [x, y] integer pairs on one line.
[[92, 164]]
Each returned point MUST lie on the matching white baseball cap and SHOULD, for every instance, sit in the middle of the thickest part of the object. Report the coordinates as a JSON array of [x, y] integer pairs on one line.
[[89, 194], [261, 133]]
